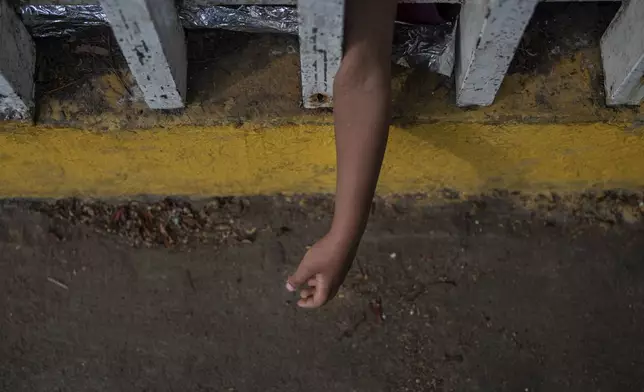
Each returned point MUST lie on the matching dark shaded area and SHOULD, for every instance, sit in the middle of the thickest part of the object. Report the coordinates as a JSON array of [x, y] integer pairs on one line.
[[558, 30], [218, 60], [66, 67], [508, 293], [232, 76]]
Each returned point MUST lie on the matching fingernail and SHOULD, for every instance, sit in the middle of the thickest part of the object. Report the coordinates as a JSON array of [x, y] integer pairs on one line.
[[290, 287]]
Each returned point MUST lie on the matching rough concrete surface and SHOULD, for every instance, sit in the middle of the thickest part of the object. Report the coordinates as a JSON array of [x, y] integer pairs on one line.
[[504, 293]]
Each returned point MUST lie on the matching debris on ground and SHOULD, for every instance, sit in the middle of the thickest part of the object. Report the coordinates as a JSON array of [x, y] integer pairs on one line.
[[376, 309], [169, 223], [173, 223]]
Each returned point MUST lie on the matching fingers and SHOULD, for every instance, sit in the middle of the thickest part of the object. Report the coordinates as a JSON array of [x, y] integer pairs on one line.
[[307, 303], [317, 291], [306, 293], [314, 297], [311, 297], [301, 276]]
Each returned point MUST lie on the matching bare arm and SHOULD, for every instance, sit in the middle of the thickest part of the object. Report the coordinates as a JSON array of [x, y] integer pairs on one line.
[[362, 101], [362, 97]]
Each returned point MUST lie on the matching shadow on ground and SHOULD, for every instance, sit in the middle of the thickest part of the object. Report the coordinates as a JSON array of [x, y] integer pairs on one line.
[[506, 293]]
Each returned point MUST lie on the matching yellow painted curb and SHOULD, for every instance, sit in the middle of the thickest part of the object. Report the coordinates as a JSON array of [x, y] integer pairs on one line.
[[225, 160]]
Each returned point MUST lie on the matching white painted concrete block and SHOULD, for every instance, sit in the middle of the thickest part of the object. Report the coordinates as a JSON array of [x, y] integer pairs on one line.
[[17, 66], [153, 43], [622, 49], [321, 43], [490, 32]]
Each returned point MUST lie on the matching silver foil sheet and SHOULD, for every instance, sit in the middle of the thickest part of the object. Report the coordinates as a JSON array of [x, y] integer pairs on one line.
[[52, 20], [246, 18], [415, 46], [431, 47]]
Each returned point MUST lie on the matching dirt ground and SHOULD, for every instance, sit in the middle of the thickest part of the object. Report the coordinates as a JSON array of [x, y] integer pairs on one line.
[[504, 292]]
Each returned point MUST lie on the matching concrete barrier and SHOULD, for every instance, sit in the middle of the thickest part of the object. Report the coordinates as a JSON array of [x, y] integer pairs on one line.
[[623, 55], [17, 66], [490, 31]]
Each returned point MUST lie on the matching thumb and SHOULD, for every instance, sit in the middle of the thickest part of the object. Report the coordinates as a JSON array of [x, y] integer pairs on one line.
[[300, 277]]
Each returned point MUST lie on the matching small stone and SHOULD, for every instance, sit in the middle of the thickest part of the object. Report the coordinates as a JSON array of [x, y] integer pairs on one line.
[[630, 216]]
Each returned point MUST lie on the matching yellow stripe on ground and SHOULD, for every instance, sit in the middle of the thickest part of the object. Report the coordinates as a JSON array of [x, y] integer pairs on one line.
[[222, 160]]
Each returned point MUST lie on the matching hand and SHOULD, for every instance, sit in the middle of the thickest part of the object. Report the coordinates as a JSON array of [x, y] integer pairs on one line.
[[323, 269]]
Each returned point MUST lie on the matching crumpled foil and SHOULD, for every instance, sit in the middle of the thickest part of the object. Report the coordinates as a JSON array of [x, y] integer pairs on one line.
[[415, 46], [431, 47], [247, 18], [53, 20]]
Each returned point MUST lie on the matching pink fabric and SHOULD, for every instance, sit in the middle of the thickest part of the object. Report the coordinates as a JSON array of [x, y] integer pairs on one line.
[[419, 14]]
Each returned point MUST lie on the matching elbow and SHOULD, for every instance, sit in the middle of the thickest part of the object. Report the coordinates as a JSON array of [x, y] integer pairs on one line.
[[361, 73]]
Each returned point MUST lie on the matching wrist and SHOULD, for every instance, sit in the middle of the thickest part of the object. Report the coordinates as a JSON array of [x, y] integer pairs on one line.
[[345, 236]]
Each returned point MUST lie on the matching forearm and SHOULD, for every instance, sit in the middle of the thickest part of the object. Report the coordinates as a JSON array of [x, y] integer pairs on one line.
[[362, 124], [362, 101]]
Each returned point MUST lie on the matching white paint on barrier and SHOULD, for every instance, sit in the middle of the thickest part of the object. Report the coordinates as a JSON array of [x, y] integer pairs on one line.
[[152, 40], [490, 32], [622, 49], [321, 26], [17, 66]]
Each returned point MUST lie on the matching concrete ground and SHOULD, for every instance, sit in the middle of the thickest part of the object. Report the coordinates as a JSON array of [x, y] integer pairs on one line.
[[504, 292]]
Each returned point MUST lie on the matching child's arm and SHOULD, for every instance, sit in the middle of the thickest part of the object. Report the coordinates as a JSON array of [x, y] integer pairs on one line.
[[362, 96]]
